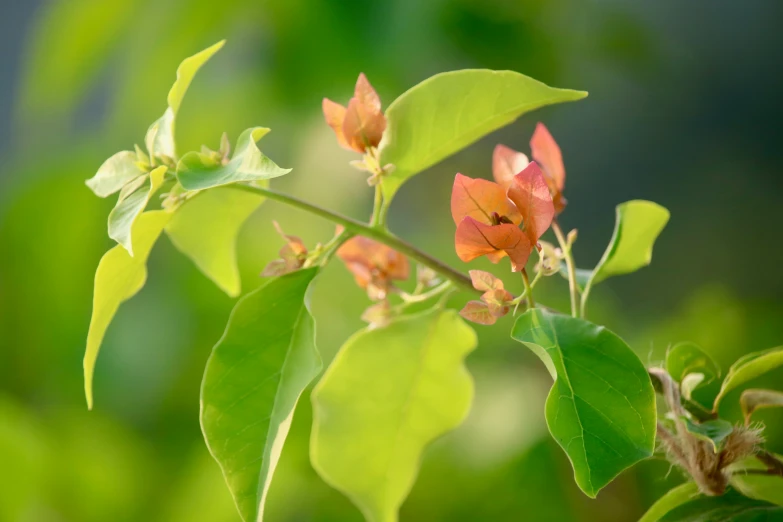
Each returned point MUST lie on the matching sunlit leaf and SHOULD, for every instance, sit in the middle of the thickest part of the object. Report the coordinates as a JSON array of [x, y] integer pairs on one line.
[[636, 229], [118, 278], [390, 392], [754, 485], [714, 431], [160, 136], [115, 173], [197, 171], [449, 111], [747, 368], [731, 507], [752, 400], [601, 408], [130, 205], [673, 498], [530, 194], [205, 228], [253, 381], [685, 361]]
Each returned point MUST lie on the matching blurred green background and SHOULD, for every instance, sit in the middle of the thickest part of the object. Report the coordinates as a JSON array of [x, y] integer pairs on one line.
[[684, 109]]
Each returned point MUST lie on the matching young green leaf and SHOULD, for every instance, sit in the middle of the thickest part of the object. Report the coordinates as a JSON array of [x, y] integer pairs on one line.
[[205, 229], [637, 227], [160, 136], [714, 431], [749, 367], [118, 278], [685, 362], [198, 171], [752, 400], [390, 392], [115, 173], [755, 485], [253, 381], [449, 111], [131, 203], [601, 408], [673, 498], [731, 507]]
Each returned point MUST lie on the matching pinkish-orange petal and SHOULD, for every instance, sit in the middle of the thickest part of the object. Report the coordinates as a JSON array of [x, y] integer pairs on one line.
[[364, 121], [484, 281], [477, 312], [478, 199], [507, 163], [546, 152], [474, 239], [334, 113], [531, 195]]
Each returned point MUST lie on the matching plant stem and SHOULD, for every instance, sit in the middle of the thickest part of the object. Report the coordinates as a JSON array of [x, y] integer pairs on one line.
[[377, 216], [585, 294], [569, 259], [357, 227], [528, 289]]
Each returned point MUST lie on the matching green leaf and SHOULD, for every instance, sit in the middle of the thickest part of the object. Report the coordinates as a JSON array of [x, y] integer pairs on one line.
[[685, 362], [601, 408], [713, 431], [205, 228], [252, 382], [118, 278], [749, 367], [636, 228], [731, 507], [449, 111], [115, 173], [752, 400], [131, 203], [673, 498], [160, 136], [759, 487], [197, 171], [390, 392]]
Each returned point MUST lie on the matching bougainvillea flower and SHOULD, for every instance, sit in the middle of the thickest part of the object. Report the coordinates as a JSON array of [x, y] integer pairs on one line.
[[373, 265], [507, 163], [495, 301], [360, 125], [546, 152], [530, 194], [292, 256], [488, 219]]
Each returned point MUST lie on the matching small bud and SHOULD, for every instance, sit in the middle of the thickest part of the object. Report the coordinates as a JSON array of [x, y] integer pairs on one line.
[[571, 238], [549, 259]]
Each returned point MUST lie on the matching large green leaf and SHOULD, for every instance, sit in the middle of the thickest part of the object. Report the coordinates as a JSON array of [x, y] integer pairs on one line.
[[389, 392], [252, 382], [749, 367], [760, 487], [115, 173], [131, 203], [636, 228], [601, 408], [449, 111], [205, 229], [197, 171], [731, 507], [160, 136], [118, 278], [673, 498]]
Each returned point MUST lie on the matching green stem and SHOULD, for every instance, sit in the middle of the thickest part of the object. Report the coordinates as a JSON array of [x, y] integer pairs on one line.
[[528, 289], [357, 227], [569, 259], [377, 216], [418, 298], [585, 294]]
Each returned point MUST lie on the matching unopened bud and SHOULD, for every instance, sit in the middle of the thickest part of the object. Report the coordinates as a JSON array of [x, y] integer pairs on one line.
[[571, 238]]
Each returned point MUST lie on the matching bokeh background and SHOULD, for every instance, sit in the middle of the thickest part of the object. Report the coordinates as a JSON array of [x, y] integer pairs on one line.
[[685, 109]]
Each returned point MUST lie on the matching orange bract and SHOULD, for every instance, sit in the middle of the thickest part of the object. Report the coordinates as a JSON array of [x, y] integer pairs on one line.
[[530, 194], [373, 265], [495, 302], [475, 239], [361, 125], [507, 163], [546, 152], [479, 199]]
